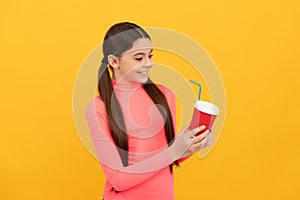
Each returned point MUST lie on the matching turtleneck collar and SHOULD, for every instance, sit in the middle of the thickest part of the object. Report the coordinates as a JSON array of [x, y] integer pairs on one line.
[[125, 86]]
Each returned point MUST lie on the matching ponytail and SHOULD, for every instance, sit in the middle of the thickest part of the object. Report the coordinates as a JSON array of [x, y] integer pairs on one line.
[[161, 103], [114, 114]]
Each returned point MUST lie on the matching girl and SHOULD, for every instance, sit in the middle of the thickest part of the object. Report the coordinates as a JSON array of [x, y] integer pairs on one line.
[[132, 121]]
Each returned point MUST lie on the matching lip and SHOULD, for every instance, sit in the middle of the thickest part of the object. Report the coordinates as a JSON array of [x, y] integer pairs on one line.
[[143, 71]]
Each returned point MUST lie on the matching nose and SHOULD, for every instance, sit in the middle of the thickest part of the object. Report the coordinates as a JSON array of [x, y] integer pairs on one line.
[[148, 63]]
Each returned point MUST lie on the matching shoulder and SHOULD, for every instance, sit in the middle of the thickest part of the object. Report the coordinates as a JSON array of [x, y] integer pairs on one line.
[[170, 97], [96, 105], [166, 91]]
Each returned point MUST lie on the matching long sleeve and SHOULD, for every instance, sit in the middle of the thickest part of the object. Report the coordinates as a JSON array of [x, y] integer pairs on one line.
[[120, 177]]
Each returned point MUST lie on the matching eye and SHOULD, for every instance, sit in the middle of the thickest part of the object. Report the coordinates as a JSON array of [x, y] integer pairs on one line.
[[150, 56], [139, 59]]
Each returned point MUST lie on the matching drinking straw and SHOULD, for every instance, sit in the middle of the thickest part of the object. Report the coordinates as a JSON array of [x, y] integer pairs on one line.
[[200, 88]]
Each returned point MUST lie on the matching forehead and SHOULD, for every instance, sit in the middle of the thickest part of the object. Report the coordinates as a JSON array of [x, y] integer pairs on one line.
[[140, 45]]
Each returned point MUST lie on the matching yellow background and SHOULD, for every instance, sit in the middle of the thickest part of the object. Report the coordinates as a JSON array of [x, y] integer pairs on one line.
[[254, 44]]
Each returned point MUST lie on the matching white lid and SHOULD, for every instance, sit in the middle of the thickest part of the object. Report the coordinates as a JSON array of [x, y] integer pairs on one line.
[[207, 107]]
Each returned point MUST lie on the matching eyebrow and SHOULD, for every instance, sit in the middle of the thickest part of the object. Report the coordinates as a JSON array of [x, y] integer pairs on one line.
[[140, 53]]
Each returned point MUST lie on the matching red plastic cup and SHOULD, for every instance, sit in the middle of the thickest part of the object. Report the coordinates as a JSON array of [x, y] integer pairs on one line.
[[204, 113]]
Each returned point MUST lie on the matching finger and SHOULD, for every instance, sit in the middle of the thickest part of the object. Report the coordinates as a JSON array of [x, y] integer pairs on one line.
[[199, 128], [195, 130], [200, 137], [196, 147], [186, 128], [204, 140], [210, 134], [199, 145]]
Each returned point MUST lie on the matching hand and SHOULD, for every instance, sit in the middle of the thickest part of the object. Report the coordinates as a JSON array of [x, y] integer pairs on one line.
[[186, 143]]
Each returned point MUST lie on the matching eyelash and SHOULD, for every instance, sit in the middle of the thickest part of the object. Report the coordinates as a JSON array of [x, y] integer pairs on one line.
[[139, 59]]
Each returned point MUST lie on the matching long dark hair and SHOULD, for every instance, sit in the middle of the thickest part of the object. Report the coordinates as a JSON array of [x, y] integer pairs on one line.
[[118, 39]]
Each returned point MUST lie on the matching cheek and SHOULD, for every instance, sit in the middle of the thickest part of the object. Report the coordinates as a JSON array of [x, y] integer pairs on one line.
[[128, 68], [131, 66]]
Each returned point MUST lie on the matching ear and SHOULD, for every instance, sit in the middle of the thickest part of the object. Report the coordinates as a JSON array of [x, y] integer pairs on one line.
[[113, 61]]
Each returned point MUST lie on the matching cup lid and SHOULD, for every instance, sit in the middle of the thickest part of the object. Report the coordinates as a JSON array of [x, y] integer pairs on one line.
[[207, 107]]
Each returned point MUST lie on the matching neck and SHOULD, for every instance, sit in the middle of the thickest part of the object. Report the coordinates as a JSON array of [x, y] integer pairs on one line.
[[124, 85]]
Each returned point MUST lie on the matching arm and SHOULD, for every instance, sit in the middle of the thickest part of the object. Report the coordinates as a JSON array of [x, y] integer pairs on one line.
[[120, 177]]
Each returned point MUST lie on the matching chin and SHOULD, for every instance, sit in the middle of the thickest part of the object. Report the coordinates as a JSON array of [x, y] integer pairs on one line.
[[144, 80], [140, 79]]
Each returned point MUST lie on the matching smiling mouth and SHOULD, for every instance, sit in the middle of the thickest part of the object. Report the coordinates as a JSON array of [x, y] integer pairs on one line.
[[144, 73]]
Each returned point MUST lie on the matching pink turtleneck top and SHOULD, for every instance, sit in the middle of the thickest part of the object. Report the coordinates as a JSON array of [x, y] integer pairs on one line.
[[147, 175]]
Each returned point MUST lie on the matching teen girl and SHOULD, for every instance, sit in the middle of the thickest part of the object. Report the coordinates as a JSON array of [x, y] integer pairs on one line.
[[132, 121]]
